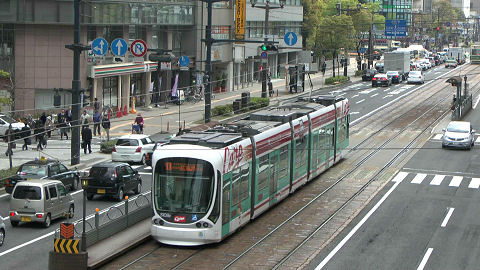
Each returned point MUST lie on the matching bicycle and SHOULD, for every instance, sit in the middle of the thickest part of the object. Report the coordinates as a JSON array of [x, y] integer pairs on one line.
[[192, 96]]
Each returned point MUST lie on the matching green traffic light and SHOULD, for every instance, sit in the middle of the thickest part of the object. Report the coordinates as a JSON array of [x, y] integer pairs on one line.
[[263, 47]]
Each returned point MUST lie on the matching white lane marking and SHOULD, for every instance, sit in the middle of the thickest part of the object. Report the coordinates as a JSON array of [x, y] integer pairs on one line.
[[475, 183], [6, 218], [354, 96], [138, 166], [437, 180], [360, 101], [4, 195], [374, 95], [353, 113], [476, 103], [419, 178], [386, 90], [438, 136], [399, 177], [387, 96], [456, 181], [478, 139], [148, 168], [355, 229], [145, 173], [399, 97], [447, 217], [27, 243], [425, 259], [76, 192]]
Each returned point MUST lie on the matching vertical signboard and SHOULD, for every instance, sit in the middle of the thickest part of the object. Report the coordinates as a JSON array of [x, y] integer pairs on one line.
[[240, 19]]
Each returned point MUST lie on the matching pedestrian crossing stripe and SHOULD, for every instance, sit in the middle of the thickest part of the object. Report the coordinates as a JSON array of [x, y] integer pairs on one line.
[[475, 183], [69, 246], [437, 179]]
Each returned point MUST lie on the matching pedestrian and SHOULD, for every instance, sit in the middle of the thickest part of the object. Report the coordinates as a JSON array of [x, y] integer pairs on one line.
[[69, 114], [139, 121], [62, 124], [270, 87], [10, 139], [43, 118], [87, 139], [106, 126], [26, 132], [84, 117], [49, 126], [324, 67], [40, 133], [96, 106], [97, 117]]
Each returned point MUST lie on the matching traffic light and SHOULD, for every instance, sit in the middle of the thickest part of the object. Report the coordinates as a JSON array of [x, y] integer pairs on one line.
[[438, 28], [267, 47], [272, 48]]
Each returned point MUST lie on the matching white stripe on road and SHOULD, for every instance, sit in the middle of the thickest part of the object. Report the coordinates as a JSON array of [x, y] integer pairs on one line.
[[425, 259], [353, 113], [374, 95], [138, 166], [27, 243], [476, 103], [360, 101], [354, 96], [447, 217], [145, 173], [437, 180], [478, 139], [438, 136], [400, 176], [475, 183], [6, 194], [387, 96], [355, 229], [456, 181], [419, 178]]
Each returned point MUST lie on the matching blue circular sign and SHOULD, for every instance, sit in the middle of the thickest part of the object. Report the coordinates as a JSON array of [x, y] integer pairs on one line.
[[119, 47], [290, 38], [99, 46], [184, 61], [264, 55], [447, 24]]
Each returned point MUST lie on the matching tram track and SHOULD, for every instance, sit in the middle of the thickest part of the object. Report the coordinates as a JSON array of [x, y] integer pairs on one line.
[[188, 257]]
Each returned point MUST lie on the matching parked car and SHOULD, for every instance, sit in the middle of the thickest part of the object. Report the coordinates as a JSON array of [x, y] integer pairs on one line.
[[5, 122], [450, 63], [380, 67], [458, 134], [416, 77], [369, 74], [40, 201], [396, 76], [381, 79], [113, 179], [44, 169], [2, 231], [132, 148]]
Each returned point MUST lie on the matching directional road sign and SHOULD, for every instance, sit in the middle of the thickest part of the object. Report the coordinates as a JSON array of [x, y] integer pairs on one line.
[[99, 46], [138, 48], [395, 28], [290, 38], [119, 47], [184, 61], [447, 24]]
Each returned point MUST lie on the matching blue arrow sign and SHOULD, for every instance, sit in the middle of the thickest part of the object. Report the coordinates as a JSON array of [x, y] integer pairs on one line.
[[119, 47], [290, 38], [447, 24], [99, 46], [184, 61]]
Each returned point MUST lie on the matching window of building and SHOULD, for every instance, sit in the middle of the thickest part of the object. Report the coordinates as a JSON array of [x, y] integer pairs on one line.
[[112, 32], [110, 90]]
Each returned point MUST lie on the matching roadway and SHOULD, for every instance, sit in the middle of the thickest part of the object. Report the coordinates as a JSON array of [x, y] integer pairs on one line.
[[427, 217], [33, 241]]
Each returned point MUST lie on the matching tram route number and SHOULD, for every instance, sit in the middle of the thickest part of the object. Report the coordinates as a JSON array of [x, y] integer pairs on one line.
[[182, 167]]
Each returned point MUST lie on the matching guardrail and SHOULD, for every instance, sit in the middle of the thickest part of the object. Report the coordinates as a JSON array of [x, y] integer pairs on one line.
[[459, 111], [114, 219]]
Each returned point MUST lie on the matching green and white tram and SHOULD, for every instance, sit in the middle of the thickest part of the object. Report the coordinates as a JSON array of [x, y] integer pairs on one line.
[[208, 184]]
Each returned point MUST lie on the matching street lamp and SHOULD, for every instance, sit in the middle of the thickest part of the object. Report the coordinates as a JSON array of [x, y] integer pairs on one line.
[[267, 8]]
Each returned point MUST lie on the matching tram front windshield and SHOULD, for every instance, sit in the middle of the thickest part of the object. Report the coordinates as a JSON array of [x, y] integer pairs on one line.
[[183, 185]]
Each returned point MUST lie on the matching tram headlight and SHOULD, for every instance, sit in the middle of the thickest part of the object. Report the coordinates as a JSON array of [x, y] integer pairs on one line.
[[205, 225]]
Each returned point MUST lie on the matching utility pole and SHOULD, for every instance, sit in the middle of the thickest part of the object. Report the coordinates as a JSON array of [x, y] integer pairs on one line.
[[370, 45], [339, 10]]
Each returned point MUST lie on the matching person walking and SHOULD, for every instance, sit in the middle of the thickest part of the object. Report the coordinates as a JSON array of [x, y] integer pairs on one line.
[[40, 133], [84, 117], [10, 139], [43, 118], [97, 118], [69, 114], [26, 132], [62, 125], [96, 107], [106, 126], [87, 139], [49, 126]]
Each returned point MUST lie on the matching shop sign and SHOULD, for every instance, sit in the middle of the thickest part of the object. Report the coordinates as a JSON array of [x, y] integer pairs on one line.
[[221, 32], [240, 19]]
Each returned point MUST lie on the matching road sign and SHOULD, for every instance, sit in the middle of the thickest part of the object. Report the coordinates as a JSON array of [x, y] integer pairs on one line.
[[119, 47], [138, 48], [290, 38], [99, 46], [184, 61], [363, 50], [447, 24], [264, 55], [395, 28]]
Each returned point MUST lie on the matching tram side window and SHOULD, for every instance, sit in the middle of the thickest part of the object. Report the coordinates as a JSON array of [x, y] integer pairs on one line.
[[301, 152], [342, 130], [283, 162], [244, 180], [314, 149], [226, 204], [236, 174], [262, 172], [322, 144]]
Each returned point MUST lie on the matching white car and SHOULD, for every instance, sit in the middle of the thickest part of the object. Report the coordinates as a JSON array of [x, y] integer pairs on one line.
[[458, 134], [5, 121], [426, 63], [2, 231], [132, 148], [415, 77]]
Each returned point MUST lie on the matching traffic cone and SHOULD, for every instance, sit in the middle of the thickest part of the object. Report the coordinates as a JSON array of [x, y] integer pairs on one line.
[[133, 111], [119, 112], [125, 111]]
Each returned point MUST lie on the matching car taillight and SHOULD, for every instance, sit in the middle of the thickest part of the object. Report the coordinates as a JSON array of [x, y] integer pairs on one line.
[[12, 214], [383, 79], [374, 79], [139, 149], [114, 150], [148, 157], [396, 76], [7, 182], [39, 215]]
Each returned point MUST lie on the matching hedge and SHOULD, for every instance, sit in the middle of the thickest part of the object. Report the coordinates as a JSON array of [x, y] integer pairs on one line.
[[359, 73], [107, 146], [5, 173], [222, 110], [258, 102], [338, 79]]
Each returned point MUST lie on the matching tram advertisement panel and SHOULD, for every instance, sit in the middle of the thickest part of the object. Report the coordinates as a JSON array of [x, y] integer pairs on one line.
[[236, 155]]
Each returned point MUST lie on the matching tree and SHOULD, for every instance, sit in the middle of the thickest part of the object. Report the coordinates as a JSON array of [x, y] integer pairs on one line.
[[6, 82]]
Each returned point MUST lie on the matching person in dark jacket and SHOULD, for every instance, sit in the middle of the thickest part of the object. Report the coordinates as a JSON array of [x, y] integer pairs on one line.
[[87, 139], [106, 126], [62, 124], [10, 139], [97, 117], [43, 118], [26, 132], [40, 134]]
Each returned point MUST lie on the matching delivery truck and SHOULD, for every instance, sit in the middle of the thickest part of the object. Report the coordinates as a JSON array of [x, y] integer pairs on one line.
[[397, 61]]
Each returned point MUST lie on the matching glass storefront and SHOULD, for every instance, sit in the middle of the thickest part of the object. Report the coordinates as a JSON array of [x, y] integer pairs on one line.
[[136, 86], [110, 91]]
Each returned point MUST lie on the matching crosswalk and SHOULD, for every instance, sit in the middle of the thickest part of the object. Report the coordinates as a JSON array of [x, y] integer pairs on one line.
[[438, 180], [439, 137]]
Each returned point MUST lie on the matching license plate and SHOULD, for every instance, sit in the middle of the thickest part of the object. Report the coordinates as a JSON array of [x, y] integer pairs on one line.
[[26, 219], [101, 191], [125, 156]]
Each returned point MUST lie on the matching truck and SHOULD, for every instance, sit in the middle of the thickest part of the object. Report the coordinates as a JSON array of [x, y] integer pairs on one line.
[[397, 61], [456, 53]]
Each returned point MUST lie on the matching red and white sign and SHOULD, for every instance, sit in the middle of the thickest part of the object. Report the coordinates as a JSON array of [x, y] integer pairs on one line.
[[180, 219], [138, 48]]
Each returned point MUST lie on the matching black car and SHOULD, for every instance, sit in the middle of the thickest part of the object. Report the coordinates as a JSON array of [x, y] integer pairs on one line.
[[382, 80], [369, 74], [380, 67], [113, 179], [396, 76], [44, 169]]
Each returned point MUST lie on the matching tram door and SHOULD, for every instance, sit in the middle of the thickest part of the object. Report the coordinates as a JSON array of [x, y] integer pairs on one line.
[[274, 167], [226, 204], [328, 146]]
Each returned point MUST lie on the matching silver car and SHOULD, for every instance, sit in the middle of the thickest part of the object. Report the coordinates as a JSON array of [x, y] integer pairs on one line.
[[2, 231], [40, 201], [458, 134]]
